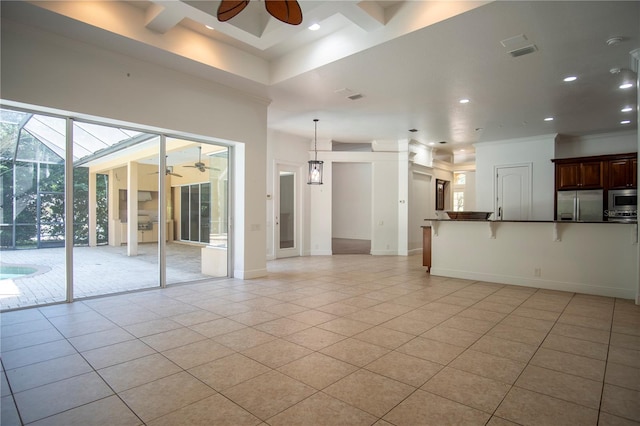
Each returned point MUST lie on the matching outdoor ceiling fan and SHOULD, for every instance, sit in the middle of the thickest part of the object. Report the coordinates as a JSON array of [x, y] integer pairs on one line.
[[287, 11], [200, 165], [168, 171]]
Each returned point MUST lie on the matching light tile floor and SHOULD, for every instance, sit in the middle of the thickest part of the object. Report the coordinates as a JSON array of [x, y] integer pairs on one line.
[[341, 340]]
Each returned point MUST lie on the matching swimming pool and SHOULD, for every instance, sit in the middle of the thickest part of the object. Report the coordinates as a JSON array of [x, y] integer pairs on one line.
[[8, 272]]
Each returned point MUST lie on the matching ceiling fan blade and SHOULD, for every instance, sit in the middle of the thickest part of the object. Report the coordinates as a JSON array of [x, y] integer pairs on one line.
[[287, 11], [175, 174], [230, 8]]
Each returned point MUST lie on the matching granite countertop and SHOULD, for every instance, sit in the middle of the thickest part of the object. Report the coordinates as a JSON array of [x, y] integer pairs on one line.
[[528, 221]]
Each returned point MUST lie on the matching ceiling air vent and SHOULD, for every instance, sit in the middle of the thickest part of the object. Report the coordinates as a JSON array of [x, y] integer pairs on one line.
[[355, 96], [523, 50]]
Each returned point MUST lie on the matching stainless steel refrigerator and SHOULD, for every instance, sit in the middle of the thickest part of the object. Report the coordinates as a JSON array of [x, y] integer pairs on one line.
[[582, 205]]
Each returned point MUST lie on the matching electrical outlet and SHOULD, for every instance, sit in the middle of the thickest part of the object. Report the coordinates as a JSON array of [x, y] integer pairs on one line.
[[537, 272]]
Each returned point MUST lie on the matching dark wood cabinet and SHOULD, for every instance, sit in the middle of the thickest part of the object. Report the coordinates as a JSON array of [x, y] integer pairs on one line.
[[615, 171], [580, 175], [623, 173]]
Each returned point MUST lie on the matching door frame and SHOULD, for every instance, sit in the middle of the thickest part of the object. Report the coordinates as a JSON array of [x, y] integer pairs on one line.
[[296, 250]]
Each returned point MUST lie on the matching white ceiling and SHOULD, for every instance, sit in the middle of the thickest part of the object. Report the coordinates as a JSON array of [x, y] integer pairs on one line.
[[411, 60]]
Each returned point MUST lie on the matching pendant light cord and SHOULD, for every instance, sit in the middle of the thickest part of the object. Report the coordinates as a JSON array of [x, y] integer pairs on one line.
[[315, 139]]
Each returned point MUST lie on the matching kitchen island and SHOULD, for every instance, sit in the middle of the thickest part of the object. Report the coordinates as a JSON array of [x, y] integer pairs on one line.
[[599, 258]]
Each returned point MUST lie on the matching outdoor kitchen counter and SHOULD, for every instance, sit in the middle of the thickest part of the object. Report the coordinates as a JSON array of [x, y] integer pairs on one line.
[[586, 257]]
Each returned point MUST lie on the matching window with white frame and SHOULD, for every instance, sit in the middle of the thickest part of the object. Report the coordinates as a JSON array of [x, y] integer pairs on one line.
[[459, 183]]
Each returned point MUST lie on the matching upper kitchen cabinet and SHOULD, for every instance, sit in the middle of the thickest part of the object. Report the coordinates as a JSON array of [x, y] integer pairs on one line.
[[579, 175], [623, 173], [599, 172]]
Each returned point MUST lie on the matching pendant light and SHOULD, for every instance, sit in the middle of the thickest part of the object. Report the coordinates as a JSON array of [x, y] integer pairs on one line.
[[315, 166]]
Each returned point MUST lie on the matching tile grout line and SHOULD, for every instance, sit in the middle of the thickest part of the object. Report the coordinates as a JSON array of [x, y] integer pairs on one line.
[[354, 295]]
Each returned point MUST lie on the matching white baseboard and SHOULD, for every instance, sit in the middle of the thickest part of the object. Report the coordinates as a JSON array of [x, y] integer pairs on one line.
[[536, 282], [320, 253], [384, 253], [247, 275]]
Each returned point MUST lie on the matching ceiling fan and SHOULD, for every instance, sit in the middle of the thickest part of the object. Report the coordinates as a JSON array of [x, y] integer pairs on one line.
[[168, 171], [287, 11], [200, 165]]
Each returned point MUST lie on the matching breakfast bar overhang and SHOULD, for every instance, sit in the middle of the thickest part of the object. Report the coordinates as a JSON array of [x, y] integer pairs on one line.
[[599, 258]]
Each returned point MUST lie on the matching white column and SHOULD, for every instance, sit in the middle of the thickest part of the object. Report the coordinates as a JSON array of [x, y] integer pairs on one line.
[[132, 208], [113, 213], [162, 213], [635, 62], [68, 209], [93, 208]]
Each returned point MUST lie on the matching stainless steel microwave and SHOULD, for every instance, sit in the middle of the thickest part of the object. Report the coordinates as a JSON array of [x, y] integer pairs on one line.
[[623, 205]]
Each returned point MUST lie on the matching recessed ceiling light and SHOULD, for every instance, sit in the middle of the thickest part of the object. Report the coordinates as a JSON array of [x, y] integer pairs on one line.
[[626, 85], [209, 27], [626, 109], [464, 101], [548, 119], [432, 143], [314, 27], [570, 78], [625, 122]]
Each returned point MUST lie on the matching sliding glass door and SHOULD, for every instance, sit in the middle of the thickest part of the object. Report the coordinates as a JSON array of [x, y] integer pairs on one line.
[[117, 188], [198, 205], [32, 209], [195, 217], [146, 209]]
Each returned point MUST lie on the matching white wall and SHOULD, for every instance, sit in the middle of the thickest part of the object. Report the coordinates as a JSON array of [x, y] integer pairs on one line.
[[389, 224], [421, 204], [46, 70], [290, 151], [351, 199], [537, 151], [386, 198], [470, 191], [600, 144], [592, 258]]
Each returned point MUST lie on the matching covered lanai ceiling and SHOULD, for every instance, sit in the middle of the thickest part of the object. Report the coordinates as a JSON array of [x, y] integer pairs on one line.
[[411, 62]]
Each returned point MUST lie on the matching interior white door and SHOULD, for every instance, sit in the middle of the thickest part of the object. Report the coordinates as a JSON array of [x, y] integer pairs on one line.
[[420, 207], [286, 214], [513, 192]]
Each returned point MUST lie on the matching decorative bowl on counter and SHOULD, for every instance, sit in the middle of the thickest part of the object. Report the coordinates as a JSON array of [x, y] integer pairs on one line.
[[469, 215]]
